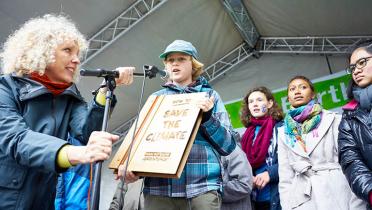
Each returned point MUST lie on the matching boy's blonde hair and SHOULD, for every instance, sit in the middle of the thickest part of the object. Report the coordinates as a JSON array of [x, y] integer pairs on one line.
[[197, 68]]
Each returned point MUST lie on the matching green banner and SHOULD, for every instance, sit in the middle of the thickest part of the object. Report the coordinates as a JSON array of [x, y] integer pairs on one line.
[[331, 94]]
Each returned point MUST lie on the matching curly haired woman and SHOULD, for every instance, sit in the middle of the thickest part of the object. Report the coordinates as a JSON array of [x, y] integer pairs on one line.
[[40, 105]]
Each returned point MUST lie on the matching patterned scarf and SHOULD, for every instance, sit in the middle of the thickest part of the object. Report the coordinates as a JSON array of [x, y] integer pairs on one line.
[[55, 88], [302, 120], [256, 151]]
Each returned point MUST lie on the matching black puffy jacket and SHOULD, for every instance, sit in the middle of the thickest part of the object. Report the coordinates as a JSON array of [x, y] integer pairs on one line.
[[355, 149]]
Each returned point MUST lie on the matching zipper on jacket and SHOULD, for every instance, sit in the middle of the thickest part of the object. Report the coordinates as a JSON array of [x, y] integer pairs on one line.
[[54, 116]]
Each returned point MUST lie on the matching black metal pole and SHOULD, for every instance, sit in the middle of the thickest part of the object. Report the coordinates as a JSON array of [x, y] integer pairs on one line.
[[329, 65], [150, 72], [110, 84]]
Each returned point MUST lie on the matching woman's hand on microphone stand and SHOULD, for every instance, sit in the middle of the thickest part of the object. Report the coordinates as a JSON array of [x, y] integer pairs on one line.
[[125, 75], [99, 148], [125, 78]]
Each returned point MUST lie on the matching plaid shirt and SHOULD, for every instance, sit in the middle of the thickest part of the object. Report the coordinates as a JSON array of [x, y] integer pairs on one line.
[[215, 137]]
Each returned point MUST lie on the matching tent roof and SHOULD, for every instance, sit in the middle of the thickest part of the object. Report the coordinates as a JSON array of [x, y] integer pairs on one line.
[[311, 18]]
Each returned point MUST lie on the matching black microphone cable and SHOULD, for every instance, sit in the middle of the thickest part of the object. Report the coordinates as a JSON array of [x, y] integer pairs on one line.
[[122, 179]]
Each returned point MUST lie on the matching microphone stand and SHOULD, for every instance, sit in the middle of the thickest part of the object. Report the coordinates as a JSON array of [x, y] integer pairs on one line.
[[150, 72], [111, 85]]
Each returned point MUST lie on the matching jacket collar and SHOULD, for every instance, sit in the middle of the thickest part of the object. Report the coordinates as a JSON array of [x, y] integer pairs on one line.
[[317, 134], [30, 89], [195, 86], [352, 105], [359, 114]]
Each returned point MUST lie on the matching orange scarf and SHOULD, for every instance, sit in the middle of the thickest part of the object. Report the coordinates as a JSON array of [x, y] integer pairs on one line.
[[55, 88]]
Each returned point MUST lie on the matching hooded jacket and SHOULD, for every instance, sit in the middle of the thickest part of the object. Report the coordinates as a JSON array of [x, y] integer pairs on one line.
[[355, 149], [215, 138], [34, 125]]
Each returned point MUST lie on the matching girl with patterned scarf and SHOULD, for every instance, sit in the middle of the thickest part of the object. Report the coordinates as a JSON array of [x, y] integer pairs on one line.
[[309, 171], [355, 137], [261, 115]]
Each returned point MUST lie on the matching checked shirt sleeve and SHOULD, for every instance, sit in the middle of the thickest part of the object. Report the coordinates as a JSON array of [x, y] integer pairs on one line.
[[218, 129]]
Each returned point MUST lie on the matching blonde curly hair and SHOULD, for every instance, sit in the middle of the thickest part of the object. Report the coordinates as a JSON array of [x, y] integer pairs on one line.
[[32, 47]]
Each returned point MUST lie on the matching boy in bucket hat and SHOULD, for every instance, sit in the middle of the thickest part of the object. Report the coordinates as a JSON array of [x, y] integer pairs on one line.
[[187, 49], [200, 184]]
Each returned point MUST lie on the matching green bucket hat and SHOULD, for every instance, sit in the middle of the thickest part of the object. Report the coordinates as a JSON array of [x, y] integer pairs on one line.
[[180, 46]]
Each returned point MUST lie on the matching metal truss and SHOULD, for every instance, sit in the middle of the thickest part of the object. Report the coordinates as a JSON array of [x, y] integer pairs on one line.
[[289, 45], [227, 62], [242, 20], [119, 26], [308, 45]]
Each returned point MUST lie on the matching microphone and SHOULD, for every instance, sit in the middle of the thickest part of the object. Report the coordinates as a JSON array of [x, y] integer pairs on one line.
[[98, 73], [150, 72], [153, 70]]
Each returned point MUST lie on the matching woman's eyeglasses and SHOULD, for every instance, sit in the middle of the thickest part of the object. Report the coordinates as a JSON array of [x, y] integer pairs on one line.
[[359, 64]]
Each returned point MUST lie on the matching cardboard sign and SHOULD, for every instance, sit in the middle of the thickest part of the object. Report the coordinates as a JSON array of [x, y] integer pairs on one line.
[[166, 129]]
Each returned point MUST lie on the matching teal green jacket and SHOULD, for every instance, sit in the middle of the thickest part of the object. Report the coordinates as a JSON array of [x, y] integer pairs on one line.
[[33, 127]]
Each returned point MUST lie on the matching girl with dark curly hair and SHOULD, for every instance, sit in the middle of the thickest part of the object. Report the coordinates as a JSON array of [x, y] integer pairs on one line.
[[261, 115]]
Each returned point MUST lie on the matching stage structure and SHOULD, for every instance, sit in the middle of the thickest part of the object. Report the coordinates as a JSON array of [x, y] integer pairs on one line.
[[243, 22], [119, 26], [253, 46]]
